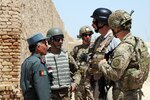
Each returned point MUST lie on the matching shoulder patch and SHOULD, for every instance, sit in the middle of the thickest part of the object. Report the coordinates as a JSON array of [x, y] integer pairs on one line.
[[116, 62], [42, 73]]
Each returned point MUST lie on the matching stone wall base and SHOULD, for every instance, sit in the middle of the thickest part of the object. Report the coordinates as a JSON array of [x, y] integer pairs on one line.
[[10, 92]]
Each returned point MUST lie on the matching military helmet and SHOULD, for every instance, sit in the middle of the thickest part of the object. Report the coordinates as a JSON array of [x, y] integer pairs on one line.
[[101, 15], [85, 30], [54, 32], [120, 18]]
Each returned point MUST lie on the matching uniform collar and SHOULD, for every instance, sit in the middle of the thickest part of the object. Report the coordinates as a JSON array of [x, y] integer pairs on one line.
[[37, 55], [85, 45], [40, 57]]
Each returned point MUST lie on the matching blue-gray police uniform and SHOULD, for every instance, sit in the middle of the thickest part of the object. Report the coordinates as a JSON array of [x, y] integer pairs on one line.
[[34, 80]]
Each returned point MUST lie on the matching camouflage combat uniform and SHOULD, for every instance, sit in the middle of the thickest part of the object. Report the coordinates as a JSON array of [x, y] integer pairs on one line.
[[124, 69], [128, 65], [84, 90]]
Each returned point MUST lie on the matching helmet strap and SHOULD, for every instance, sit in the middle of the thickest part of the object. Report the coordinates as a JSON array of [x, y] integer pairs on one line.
[[99, 27], [114, 33], [119, 31]]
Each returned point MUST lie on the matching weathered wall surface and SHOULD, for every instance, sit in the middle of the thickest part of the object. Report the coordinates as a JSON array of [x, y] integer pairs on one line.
[[20, 19], [39, 16], [10, 31]]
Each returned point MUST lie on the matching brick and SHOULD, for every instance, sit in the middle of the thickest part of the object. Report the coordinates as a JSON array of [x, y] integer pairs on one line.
[[7, 29], [7, 44], [3, 19], [7, 63], [6, 70]]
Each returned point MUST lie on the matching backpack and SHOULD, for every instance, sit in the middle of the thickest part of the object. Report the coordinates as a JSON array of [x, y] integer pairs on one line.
[[138, 70], [143, 58]]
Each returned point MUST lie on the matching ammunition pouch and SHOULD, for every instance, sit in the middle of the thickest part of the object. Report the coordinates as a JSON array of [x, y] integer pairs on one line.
[[97, 57]]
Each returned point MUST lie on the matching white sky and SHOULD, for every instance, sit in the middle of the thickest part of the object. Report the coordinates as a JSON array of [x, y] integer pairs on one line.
[[76, 13]]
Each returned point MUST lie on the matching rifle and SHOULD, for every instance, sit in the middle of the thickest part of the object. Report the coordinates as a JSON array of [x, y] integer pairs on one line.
[[132, 11]]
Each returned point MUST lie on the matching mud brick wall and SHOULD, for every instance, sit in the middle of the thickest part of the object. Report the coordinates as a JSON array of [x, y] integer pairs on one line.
[[10, 29]]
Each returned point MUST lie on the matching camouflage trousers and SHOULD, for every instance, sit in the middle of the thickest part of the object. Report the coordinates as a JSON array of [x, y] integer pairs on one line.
[[84, 92], [127, 95], [60, 94]]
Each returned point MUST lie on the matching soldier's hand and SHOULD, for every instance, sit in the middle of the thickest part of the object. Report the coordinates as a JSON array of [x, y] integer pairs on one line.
[[94, 69], [73, 87], [101, 63], [98, 57], [83, 57], [96, 66]]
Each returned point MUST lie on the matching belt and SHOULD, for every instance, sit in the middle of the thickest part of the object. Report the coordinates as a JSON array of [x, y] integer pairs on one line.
[[59, 89]]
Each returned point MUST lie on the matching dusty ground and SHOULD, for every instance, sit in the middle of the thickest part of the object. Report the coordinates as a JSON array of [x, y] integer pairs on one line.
[[145, 89]]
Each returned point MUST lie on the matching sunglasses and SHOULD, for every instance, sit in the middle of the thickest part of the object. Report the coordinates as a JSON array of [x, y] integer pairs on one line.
[[94, 22], [57, 39], [85, 35]]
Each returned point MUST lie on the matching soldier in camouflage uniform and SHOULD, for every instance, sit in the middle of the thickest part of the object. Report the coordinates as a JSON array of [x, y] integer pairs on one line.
[[129, 63], [62, 68], [104, 46], [84, 90]]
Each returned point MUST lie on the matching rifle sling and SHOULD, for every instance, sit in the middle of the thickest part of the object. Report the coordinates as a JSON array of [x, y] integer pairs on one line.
[[105, 43]]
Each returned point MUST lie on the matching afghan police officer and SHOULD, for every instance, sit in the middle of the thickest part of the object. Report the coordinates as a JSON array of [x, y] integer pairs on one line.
[[129, 63], [34, 80], [65, 73], [102, 48], [80, 54]]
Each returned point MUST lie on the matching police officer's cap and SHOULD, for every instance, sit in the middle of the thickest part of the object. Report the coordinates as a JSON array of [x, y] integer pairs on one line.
[[35, 38]]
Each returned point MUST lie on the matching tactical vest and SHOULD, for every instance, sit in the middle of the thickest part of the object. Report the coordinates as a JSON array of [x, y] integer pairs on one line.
[[60, 69], [138, 69], [103, 43], [99, 48]]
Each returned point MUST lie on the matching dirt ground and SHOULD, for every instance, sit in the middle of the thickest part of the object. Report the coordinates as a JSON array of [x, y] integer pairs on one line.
[[145, 89]]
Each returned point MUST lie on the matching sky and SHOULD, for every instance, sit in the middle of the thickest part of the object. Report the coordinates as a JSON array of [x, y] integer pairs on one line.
[[76, 13]]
